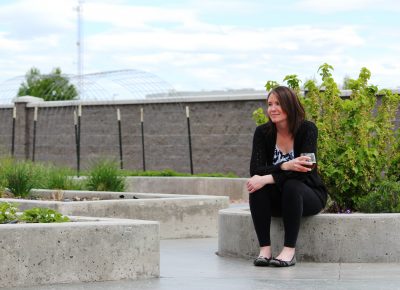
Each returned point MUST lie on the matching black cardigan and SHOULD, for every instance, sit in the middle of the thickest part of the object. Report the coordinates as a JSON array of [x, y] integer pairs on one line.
[[305, 141]]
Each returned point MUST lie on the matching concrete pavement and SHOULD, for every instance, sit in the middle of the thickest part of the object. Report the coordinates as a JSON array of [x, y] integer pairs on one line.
[[192, 264]]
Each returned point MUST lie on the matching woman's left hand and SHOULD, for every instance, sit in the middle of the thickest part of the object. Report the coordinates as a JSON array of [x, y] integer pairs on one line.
[[256, 182]]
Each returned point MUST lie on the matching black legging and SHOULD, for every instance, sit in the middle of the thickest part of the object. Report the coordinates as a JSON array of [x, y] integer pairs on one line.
[[294, 201]]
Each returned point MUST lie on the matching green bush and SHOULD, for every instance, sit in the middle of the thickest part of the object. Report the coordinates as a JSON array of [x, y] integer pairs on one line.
[[5, 165], [60, 178], [7, 212], [383, 198], [358, 145], [20, 179], [42, 215], [394, 166], [21, 176], [105, 176]]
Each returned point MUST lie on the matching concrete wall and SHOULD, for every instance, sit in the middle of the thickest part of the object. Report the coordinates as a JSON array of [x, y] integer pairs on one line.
[[327, 238], [87, 250], [221, 131], [221, 128]]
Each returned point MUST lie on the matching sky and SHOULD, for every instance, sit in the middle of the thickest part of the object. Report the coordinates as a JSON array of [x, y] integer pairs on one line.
[[205, 44]]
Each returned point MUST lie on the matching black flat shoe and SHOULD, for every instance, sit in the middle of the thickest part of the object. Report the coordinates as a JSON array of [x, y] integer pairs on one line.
[[280, 263], [262, 261]]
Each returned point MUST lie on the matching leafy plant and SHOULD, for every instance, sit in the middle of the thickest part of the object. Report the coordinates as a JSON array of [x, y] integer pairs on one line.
[[394, 167], [271, 85], [358, 145], [293, 82], [383, 198], [7, 212], [259, 117], [43, 215], [105, 176]]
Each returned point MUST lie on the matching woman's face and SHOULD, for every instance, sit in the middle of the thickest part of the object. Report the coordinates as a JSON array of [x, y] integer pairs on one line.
[[275, 112]]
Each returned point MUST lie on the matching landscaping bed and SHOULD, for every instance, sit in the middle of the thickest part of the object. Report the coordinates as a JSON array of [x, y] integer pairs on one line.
[[180, 216], [84, 250]]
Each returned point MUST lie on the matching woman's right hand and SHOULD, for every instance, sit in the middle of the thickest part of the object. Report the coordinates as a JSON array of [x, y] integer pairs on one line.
[[297, 164]]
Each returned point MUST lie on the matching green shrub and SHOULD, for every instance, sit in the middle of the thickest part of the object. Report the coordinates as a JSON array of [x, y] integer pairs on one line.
[[42, 215], [165, 172], [19, 179], [224, 175], [358, 145], [7, 212], [21, 176], [60, 178], [259, 116], [105, 176], [394, 166], [5, 165], [383, 198]]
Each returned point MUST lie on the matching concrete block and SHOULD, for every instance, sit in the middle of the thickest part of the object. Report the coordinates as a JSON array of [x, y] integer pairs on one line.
[[235, 188], [336, 238], [86, 250], [180, 216]]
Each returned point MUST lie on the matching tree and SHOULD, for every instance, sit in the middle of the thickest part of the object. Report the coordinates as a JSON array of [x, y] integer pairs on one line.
[[51, 87], [346, 83]]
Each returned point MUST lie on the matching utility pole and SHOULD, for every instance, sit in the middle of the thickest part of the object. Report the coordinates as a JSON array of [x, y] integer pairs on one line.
[[79, 44]]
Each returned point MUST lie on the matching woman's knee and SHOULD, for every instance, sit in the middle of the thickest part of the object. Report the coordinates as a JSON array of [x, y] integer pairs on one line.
[[292, 185], [267, 189], [263, 193], [292, 190]]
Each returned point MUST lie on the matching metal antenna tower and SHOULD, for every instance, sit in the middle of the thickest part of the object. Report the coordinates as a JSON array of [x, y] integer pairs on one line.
[[79, 44]]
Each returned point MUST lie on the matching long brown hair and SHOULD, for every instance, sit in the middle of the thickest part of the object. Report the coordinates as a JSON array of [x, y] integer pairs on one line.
[[291, 105]]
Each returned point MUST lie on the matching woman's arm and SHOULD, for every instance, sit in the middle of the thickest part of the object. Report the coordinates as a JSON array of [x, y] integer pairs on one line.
[[256, 182], [258, 162]]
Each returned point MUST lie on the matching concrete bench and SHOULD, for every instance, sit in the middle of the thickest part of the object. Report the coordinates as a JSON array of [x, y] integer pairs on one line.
[[334, 238]]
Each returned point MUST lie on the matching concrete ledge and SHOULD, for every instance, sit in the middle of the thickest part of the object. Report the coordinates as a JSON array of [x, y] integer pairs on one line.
[[235, 188], [337, 238], [180, 216], [87, 250]]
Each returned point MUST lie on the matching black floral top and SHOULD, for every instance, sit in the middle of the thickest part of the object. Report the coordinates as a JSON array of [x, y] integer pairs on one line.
[[280, 157]]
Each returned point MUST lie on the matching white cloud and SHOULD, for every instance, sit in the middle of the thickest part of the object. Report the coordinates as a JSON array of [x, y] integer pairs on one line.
[[180, 45], [225, 55], [228, 6], [9, 44], [174, 59], [124, 16], [28, 19], [333, 6], [233, 39]]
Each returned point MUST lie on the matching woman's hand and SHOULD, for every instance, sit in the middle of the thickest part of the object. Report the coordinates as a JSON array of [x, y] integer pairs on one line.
[[297, 164], [257, 181]]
